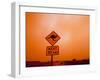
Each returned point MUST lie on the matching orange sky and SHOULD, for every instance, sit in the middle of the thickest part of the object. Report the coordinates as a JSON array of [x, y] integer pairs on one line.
[[73, 30]]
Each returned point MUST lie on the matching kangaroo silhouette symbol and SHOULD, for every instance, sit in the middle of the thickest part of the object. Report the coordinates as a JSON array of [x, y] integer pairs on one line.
[[53, 37]]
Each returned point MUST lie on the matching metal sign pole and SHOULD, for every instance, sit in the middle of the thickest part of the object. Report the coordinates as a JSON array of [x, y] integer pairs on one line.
[[52, 60]]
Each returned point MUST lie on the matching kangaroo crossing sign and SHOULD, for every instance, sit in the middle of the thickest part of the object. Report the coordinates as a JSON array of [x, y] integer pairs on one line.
[[52, 38]]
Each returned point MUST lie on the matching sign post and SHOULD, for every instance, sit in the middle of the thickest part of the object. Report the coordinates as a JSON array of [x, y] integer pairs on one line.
[[52, 60], [52, 38]]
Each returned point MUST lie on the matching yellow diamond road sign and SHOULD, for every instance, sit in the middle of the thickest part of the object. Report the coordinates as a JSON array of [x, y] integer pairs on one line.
[[52, 38]]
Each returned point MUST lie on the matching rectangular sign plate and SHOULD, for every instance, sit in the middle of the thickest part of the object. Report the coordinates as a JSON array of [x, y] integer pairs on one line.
[[52, 50]]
